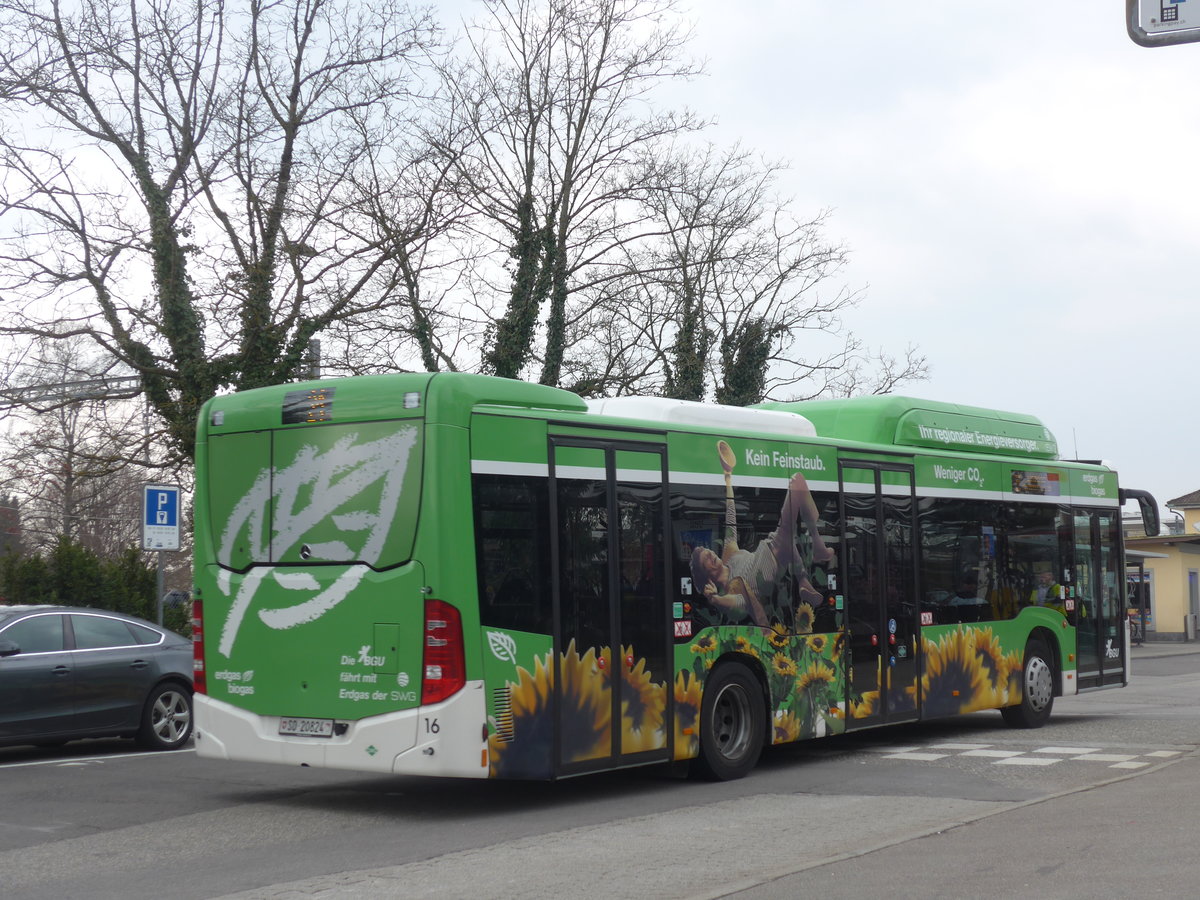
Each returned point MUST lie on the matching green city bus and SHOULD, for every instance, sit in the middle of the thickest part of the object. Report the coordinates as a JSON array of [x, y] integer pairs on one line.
[[459, 575]]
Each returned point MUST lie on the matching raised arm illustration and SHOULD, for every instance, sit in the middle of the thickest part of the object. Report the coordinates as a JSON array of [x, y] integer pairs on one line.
[[736, 581]]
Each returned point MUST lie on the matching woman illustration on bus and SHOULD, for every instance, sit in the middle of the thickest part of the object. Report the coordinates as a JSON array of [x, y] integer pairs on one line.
[[737, 581]]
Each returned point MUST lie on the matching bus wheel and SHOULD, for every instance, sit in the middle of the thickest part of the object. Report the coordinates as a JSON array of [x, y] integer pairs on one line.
[[1037, 690], [732, 724]]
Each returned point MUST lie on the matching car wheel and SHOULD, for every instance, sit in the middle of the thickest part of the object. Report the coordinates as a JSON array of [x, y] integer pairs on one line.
[[732, 723], [167, 718], [1037, 690]]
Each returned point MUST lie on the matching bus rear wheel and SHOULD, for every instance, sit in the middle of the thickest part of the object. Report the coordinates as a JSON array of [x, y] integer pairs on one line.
[[732, 724], [1037, 690]]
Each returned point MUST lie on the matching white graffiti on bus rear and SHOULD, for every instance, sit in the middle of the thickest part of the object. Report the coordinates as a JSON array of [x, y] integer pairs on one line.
[[330, 480]]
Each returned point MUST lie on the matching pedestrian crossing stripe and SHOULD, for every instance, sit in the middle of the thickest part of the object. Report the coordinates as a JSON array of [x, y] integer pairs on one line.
[[1043, 756]]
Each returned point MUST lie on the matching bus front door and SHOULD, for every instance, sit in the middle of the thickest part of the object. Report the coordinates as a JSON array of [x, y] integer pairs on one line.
[[879, 578], [612, 686], [1099, 602]]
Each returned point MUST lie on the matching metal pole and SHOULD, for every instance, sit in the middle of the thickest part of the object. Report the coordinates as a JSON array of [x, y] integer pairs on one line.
[[158, 596], [1143, 598]]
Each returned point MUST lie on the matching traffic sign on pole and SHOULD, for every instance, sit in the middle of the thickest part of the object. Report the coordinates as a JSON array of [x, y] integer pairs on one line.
[[160, 517], [1158, 23]]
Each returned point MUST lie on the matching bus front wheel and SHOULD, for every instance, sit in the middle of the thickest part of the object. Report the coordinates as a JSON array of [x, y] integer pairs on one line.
[[1037, 690], [732, 724]]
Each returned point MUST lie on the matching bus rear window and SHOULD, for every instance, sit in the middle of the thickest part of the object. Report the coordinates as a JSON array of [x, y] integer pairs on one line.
[[333, 494]]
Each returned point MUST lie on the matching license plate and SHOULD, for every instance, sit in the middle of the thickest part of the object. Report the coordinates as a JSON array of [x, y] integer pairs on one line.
[[306, 727]]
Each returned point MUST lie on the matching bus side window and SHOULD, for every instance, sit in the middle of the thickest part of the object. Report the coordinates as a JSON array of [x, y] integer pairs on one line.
[[1033, 554], [962, 547], [511, 561]]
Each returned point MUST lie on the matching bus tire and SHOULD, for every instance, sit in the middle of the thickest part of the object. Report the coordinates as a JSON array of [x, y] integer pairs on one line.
[[166, 718], [732, 723], [1037, 689]]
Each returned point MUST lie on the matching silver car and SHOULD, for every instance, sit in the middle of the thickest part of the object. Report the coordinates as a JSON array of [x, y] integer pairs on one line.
[[69, 673]]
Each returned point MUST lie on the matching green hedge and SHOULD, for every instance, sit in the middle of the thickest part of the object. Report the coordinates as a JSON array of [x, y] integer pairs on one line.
[[72, 575]]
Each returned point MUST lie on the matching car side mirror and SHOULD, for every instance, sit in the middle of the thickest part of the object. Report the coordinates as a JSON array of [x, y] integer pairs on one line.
[[9, 648]]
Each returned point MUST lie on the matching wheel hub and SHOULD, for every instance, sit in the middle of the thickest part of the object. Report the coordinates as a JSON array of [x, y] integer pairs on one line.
[[1039, 684]]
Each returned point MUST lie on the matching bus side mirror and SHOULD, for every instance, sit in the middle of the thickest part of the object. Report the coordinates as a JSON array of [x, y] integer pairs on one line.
[[1149, 515], [1148, 507]]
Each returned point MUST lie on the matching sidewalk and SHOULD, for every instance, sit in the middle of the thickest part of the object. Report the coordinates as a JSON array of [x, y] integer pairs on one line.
[[1153, 649], [1131, 837]]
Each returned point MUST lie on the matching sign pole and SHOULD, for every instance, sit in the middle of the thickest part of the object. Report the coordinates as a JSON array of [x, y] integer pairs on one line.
[[158, 591]]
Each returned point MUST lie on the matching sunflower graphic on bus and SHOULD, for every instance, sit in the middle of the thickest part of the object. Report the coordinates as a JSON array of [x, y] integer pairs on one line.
[[587, 708]]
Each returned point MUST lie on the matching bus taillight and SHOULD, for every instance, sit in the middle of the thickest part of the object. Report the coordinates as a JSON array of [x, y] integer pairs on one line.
[[445, 661], [199, 681]]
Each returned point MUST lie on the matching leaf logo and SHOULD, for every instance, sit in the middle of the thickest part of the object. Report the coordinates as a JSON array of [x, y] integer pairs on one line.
[[503, 646], [248, 674]]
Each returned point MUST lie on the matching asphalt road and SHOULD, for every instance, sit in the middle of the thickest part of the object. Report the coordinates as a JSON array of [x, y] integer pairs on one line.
[[1096, 804]]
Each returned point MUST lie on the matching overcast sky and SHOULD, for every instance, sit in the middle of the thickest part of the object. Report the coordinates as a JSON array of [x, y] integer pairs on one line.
[[1017, 186]]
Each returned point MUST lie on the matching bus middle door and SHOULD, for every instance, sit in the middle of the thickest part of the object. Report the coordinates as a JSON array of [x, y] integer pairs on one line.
[[613, 690], [879, 566]]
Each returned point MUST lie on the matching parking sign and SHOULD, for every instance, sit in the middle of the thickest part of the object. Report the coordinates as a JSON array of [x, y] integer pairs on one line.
[[1157, 23], [160, 517]]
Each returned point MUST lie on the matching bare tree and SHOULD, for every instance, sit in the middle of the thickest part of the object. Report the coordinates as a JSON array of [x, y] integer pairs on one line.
[[73, 462], [204, 192], [193, 187], [718, 305], [636, 261], [74, 484], [555, 97]]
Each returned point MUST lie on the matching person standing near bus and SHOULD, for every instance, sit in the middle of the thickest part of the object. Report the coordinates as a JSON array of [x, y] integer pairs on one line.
[[737, 580]]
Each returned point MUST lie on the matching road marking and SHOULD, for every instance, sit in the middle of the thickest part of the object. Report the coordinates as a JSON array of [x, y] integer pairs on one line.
[[1043, 756], [919, 757], [1068, 751], [83, 760], [40, 829], [1107, 757], [993, 754]]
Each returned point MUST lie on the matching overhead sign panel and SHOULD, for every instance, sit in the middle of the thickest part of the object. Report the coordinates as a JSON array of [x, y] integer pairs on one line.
[[1156, 23], [160, 517]]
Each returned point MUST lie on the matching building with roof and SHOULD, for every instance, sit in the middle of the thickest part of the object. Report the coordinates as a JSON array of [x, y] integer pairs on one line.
[[1171, 566]]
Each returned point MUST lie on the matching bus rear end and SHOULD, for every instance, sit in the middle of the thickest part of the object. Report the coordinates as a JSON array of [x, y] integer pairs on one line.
[[319, 640]]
